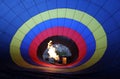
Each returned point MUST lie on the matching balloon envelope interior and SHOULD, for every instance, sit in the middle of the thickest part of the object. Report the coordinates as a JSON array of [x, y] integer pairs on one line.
[[84, 34]]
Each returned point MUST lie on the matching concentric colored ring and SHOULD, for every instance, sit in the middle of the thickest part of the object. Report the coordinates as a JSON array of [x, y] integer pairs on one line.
[[53, 32], [77, 26], [16, 55]]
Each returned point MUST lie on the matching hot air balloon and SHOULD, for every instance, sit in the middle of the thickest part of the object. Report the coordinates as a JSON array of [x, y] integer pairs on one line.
[[83, 36]]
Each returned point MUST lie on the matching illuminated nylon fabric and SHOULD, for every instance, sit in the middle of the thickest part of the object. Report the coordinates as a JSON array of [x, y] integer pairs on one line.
[[19, 12]]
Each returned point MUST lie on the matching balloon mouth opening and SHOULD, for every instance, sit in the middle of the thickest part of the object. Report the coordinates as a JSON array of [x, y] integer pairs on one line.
[[58, 50]]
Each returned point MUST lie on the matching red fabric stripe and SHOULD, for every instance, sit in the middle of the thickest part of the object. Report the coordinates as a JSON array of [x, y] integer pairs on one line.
[[76, 37]]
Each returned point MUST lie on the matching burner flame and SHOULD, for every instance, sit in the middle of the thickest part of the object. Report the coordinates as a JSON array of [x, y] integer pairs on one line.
[[52, 51]]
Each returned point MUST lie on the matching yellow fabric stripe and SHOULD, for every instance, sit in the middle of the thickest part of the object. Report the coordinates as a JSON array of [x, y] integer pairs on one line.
[[91, 23]]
